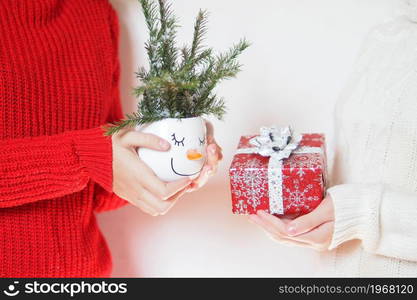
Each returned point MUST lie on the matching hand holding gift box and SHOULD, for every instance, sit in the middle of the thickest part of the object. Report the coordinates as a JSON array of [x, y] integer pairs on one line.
[[279, 172]]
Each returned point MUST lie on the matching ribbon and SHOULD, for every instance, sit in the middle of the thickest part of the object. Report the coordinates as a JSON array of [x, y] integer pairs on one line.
[[278, 144]]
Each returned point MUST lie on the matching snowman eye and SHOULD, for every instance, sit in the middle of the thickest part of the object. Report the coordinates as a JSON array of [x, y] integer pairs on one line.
[[202, 141], [177, 142]]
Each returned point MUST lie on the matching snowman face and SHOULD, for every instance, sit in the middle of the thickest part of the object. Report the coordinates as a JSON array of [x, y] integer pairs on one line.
[[188, 147], [187, 154]]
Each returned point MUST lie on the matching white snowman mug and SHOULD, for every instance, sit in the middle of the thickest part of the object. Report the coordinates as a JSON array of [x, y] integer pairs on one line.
[[187, 154]]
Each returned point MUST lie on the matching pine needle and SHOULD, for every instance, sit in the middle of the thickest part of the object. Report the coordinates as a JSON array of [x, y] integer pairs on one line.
[[180, 82]]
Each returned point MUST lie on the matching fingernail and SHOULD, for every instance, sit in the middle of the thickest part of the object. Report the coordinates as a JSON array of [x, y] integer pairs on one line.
[[164, 145], [213, 150], [291, 230]]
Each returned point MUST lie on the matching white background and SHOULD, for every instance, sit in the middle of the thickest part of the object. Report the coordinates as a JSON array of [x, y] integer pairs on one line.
[[301, 55]]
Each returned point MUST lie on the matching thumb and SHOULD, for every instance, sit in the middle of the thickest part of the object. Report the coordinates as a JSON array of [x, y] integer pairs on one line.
[[144, 140], [309, 221]]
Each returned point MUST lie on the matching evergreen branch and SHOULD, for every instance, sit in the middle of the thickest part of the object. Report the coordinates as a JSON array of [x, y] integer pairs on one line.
[[142, 74], [193, 56], [203, 57], [200, 30], [173, 87], [217, 108], [166, 36], [139, 91], [149, 10], [185, 53], [131, 121], [165, 14], [224, 67], [237, 49]]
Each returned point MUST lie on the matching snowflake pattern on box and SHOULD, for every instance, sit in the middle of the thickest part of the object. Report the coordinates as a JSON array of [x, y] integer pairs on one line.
[[303, 179], [250, 174]]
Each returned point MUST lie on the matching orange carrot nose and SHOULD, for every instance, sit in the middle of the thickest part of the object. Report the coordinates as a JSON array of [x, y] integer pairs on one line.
[[193, 154]]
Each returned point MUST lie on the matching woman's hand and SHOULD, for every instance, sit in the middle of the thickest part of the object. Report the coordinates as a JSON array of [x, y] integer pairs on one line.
[[214, 156], [135, 182], [313, 230]]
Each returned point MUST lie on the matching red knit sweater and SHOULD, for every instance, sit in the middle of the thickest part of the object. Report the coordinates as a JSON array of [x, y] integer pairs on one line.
[[59, 76]]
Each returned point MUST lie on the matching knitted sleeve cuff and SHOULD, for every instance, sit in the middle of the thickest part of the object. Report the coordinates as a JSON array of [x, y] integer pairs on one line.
[[107, 201], [94, 151], [356, 208]]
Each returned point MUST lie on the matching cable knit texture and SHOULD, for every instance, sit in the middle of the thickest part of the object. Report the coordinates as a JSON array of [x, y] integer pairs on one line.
[[59, 76], [375, 170]]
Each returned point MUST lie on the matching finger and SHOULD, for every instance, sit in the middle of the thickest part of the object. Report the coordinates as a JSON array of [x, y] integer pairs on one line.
[[288, 242], [273, 221], [272, 233], [201, 180], [162, 189], [204, 172], [168, 204], [310, 221], [159, 205], [319, 237], [208, 170], [211, 139], [177, 196], [210, 132], [145, 140], [195, 183], [275, 227], [219, 153], [212, 156], [171, 188], [267, 228], [210, 135], [145, 208]]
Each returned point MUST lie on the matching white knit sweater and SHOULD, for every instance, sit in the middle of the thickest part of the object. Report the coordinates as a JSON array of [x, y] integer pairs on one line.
[[375, 173]]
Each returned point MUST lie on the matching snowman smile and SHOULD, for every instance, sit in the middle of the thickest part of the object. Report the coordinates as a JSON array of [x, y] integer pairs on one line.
[[180, 174]]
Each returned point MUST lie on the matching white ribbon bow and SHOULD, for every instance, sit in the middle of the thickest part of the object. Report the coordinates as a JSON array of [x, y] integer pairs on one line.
[[274, 141]]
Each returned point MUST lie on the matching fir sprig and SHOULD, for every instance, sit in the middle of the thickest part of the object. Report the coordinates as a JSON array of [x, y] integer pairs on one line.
[[180, 82]]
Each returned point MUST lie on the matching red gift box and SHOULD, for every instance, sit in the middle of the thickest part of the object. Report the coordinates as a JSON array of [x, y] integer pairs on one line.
[[293, 185]]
